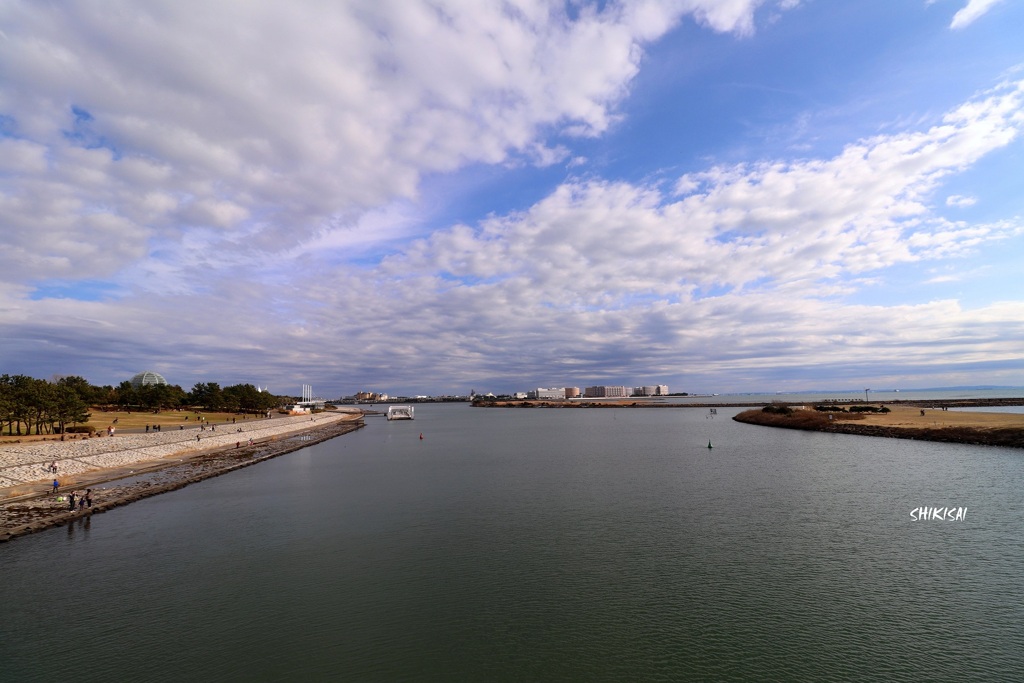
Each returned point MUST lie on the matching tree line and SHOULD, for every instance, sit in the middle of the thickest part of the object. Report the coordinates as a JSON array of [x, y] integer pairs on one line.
[[50, 407]]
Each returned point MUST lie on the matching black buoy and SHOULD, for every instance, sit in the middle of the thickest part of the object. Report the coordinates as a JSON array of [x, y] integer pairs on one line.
[[709, 444]]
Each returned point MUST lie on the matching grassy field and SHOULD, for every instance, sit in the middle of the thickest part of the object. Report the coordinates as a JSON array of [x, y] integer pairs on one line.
[[136, 421]]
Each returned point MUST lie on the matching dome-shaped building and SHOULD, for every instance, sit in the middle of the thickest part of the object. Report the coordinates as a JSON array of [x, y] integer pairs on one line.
[[144, 379]]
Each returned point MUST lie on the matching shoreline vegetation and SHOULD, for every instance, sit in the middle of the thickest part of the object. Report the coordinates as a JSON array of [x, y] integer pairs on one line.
[[32, 506], [933, 423]]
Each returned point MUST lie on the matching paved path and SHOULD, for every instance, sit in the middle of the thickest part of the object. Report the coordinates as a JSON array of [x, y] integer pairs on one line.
[[28, 463]]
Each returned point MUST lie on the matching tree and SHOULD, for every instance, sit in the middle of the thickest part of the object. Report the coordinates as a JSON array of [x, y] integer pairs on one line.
[[125, 395], [85, 391], [207, 395], [41, 402], [68, 407], [21, 397], [6, 402], [155, 396]]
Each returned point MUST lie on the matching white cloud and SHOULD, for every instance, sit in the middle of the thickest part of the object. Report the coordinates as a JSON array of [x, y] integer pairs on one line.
[[180, 117], [971, 12], [747, 266], [229, 165], [960, 201]]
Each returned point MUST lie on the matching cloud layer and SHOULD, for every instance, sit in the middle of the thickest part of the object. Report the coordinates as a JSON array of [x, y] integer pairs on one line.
[[234, 193]]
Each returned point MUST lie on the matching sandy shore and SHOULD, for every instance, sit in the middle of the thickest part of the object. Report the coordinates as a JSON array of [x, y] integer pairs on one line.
[[903, 416], [155, 462]]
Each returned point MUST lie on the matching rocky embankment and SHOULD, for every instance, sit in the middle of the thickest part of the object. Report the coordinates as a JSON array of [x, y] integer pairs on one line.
[[29, 514]]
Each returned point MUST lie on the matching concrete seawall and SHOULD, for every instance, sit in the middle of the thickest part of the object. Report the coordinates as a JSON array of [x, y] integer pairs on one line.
[[27, 463], [37, 510]]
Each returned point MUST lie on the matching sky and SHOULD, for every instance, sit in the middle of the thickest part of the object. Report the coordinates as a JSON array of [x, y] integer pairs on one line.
[[433, 197]]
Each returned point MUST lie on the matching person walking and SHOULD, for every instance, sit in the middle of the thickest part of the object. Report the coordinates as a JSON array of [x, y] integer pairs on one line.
[[56, 485]]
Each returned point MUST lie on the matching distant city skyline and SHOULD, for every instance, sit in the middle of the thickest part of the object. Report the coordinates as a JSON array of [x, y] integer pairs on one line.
[[427, 197]]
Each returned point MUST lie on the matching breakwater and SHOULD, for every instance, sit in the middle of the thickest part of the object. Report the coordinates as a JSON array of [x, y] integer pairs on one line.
[[34, 513]]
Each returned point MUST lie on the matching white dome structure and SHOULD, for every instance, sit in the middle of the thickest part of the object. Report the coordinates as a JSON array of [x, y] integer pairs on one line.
[[144, 379]]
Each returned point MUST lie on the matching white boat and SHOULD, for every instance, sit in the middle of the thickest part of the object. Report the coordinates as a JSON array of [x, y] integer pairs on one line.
[[400, 413]]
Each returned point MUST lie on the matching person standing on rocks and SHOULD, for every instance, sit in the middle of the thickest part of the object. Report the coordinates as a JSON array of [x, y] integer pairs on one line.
[[56, 485], [71, 501], [88, 498]]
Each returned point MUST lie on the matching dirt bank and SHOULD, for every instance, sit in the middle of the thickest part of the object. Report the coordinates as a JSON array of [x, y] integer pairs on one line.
[[987, 429]]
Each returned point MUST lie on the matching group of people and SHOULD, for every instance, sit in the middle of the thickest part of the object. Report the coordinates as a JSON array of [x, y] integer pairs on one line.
[[84, 500]]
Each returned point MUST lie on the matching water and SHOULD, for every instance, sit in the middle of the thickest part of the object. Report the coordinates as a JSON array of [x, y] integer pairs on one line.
[[517, 544]]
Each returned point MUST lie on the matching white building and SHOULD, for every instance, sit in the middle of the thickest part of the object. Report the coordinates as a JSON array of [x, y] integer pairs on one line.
[[607, 392], [652, 390]]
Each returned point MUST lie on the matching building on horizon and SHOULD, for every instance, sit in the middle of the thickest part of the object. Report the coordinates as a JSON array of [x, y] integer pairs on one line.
[[652, 390], [547, 394], [607, 392], [572, 392], [370, 396]]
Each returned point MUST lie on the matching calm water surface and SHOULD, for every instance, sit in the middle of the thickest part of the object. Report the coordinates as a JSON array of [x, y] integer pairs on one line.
[[523, 545]]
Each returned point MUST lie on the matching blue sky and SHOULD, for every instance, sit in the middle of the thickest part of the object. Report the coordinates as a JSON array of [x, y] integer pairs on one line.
[[432, 197]]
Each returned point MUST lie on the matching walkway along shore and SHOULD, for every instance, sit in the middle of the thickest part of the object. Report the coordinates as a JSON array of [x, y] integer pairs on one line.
[[151, 463]]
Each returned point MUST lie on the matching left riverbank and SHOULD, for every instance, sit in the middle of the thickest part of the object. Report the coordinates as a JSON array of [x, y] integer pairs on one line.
[[32, 506]]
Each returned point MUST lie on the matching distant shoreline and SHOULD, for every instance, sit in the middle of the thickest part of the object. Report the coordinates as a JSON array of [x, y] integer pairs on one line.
[[641, 403]]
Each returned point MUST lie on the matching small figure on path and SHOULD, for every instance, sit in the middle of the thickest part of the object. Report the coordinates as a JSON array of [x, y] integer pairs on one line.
[[147, 429], [197, 438], [88, 497], [56, 485], [71, 503], [53, 467], [81, 503]]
